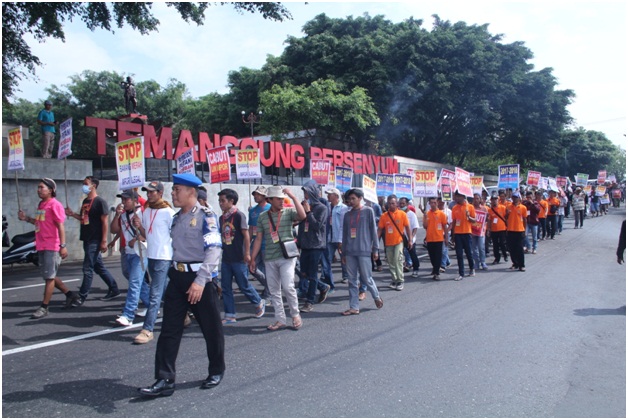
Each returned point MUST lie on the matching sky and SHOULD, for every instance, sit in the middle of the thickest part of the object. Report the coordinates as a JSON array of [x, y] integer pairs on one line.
[[584, 42]]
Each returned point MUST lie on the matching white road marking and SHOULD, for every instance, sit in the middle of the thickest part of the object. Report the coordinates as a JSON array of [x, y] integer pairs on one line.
[[36, 285]]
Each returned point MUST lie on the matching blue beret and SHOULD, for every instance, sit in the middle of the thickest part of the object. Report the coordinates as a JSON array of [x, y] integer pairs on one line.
[[187, 180]]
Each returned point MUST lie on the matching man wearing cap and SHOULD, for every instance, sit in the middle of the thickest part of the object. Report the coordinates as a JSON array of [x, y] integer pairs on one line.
[[46, 119], [50, 243], [516, 219], [202, 196], [334, 235], [497, 229], [154, 225], [134, 255], [275, 226], [261, 205], [93, 216], [193, 285]]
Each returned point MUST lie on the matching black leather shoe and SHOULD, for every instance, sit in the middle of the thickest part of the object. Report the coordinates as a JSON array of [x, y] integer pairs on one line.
[[161, 388], [211, 381]]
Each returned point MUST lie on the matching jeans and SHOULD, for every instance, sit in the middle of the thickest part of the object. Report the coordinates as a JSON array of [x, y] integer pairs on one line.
[[361, 265], [411, 257], [395, 263], [280, 276], [477, 250], [551, 225], [579, 216], [138, 288], [310, 258], [328, 257], [560, 223], [92, 262], [463, 243], [240, 271], [534, 231], [445, 261], [158, 271], [260, 272]]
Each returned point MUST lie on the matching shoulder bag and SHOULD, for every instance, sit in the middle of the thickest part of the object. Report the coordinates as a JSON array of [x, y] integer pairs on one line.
[[288, 248]]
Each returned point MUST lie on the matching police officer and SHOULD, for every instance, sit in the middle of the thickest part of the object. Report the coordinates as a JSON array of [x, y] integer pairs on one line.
[[193, 284]]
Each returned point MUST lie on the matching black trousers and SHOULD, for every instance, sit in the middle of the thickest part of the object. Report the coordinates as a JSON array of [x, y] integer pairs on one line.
[[515, 246], [415, 259], [499, 243], [551, 225], [435, 251], [206, 312]]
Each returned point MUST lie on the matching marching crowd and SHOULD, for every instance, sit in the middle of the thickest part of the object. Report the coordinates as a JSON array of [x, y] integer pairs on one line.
[[188, 258]]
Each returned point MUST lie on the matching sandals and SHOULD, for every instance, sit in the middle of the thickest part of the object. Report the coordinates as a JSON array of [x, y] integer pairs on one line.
[[379, 302], [297, 322], [229, 321], [351, 312], [276, 326]]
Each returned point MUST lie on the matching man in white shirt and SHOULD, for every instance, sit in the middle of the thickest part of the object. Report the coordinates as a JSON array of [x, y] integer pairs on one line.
[[410, 254]]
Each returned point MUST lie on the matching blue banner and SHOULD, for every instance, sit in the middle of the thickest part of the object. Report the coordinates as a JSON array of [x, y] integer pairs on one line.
[[385, 185], [403, 186], [508, 176], [343, 178]]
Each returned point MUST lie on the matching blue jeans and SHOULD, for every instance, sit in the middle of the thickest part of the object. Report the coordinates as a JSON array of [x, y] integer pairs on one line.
[[158, 271], [92, 262], [327, 258], [361, 265], [240, 271], [478, 250], [138, 289], [260, 271], [534, 231], [463, 244], [310, 258], [445, 257]]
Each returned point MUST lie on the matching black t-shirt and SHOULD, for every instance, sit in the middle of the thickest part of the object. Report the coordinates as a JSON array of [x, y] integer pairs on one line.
[[91, 224], [232, 238]]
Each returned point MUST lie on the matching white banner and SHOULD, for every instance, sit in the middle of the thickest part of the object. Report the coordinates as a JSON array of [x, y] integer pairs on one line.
[[65, 139], [130, 163]]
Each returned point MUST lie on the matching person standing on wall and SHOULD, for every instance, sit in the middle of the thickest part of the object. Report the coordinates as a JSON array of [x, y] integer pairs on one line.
[[46, 119]]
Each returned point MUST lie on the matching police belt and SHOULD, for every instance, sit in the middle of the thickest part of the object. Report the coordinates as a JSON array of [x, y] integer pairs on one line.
[[186, 267]]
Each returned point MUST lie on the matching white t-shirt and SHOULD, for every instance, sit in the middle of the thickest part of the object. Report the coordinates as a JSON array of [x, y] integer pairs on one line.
[[414, 223], [126, 221], [157, 224]]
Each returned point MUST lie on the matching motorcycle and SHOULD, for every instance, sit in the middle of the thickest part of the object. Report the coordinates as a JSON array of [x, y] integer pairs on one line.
[[23, 249]]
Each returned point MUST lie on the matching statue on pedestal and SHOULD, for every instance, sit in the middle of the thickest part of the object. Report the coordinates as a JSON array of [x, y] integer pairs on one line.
[[130, 99]]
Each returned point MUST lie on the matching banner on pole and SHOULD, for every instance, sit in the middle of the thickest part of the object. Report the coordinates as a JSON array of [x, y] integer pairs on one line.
[[463, 182], [446, 173], [219, 165], [477, 227], [65, 139], [320, 170], [385, 184], [369, 187], [552, 186], [543, 183], [508, 176], [477, 184], [601, 176], [130, 163], [248, 164], [600, 190], [582, 179], [561, 181], [533, 178], [185, 163], [425, 183], [16, 150], [445, 189], [403, 186], [344, 177]]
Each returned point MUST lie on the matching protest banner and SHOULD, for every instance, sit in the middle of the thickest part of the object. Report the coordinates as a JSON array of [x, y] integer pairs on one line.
[[445, 189], [369, 187], [219, 165], [616, 193], [600, 190], [385, 184], [410, 171], [587, 189], [448, 174], [320, 170], [477, 227], [463, 182], [185, 163], [403, 186], [605, 199], [332, 180], [551, 184], [65, 139], [16, 150], [561, 181], [611, 178], [582, 179], [601, 176], [344, 177], [248, 164], [477, 184], [130, 163], [533, 178], [508, 176], [543, 183], [425, 183]]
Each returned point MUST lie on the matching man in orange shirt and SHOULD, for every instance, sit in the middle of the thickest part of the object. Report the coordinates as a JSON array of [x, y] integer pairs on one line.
[[497, 229], [392, 224], [542, 216], [516, 216], [462, 215], [436, 227], [552, 214]]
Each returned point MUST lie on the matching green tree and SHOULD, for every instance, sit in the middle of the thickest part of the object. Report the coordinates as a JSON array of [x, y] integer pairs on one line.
[[46, 19], [588, 151]]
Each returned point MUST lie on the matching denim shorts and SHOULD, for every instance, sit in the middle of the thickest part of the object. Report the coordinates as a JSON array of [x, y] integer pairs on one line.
[[49, 262]]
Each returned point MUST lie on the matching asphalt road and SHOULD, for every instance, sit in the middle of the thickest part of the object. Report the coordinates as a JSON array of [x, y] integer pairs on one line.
[[550, 342]]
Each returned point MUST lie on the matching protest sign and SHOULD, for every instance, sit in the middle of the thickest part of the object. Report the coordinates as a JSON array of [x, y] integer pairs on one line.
[[587, 189], [600, 190], [611, 178], [616, 193], [533, 178], [16, 150], [446, 173], [369, 187], [477, 227], [551, 182], [445, 189], [248, 164], [463, 182], [65, 139], [320, 170], [403, 186], [543, 183], [385, 184], [344, 177], [185, 163], [582, 179], [508, 176], [601, 176], [605, 199], [477, 184], [219, 164], [425, 183], [130, 163], [561, 181]]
